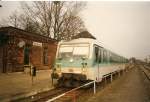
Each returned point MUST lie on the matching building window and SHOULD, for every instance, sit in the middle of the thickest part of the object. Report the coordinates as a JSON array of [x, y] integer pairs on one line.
[[45, 56]]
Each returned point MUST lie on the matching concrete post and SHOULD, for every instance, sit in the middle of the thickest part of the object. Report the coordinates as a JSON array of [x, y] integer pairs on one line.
[[111, 77], [119, 73], [94, 88]]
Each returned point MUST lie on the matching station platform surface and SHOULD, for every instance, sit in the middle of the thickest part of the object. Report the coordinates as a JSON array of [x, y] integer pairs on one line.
[[17, 85], [131, 87]]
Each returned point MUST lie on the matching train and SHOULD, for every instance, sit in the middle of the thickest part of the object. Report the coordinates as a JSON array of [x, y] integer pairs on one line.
[[84, 59]]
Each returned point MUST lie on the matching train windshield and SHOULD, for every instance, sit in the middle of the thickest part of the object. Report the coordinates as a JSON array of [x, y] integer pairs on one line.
[[73, 51]]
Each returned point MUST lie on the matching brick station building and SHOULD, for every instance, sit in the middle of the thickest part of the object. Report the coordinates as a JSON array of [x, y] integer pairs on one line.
[[19, 48]]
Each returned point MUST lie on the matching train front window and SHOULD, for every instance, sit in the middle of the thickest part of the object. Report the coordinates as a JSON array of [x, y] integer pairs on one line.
[[73, 51], [65, 52]]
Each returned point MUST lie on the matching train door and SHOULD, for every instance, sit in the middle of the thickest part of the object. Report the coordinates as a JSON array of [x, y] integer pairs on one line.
[[97, 61]]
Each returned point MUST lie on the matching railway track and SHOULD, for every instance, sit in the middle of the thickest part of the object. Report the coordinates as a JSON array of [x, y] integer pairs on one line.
[[146, 71], [72, 96], [42, 97], [51, 94]]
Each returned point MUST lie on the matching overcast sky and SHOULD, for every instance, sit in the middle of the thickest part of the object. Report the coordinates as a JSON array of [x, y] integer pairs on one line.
[[124, 27]]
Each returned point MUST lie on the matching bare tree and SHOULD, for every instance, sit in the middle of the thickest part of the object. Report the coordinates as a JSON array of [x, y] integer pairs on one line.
[[27, 23], [72, 26], [14, 19], [19, 20], [54, 19]]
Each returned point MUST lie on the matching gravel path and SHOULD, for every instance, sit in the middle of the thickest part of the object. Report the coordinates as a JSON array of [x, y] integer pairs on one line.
[[132, 87]]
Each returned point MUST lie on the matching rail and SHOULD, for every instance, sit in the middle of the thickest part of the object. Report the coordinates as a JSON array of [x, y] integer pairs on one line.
[[147, 74], [57, 97]]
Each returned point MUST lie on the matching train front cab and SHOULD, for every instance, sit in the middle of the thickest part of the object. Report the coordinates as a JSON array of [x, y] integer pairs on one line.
[[77, 63], [72, 63]]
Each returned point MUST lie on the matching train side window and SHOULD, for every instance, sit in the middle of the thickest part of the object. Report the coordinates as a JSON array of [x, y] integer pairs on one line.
[[104, 56], [100, 57], [108, 56], [96, 54], [111, 57]]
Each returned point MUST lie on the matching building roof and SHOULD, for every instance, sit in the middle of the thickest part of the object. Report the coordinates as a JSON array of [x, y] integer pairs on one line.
[[22, 33], [84, 34]]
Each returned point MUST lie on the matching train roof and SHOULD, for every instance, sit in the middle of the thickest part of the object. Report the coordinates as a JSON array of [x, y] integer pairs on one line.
[[88, 40], [82, 40]]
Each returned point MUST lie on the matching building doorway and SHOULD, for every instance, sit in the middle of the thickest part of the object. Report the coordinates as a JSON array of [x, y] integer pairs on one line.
[[26, 55]]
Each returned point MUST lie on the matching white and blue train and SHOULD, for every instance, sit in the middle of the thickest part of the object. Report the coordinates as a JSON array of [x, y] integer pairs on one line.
[[85, 59]]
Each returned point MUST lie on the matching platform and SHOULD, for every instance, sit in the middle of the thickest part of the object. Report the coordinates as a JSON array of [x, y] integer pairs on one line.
[[18, 85]]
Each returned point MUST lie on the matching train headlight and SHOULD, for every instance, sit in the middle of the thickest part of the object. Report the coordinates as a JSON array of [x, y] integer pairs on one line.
[[71, 60]]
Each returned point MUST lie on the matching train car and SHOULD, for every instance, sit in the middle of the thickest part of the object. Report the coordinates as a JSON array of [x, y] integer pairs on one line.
[[84, 59]]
